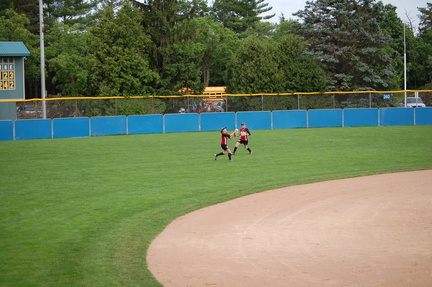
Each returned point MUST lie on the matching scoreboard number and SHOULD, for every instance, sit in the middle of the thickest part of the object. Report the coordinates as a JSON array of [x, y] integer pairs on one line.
[[7, 74]]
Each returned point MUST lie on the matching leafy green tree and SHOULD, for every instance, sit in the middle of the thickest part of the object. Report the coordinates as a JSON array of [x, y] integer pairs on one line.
[[277, 65], [30, 8], [420, 61], [301, 72], [66, 60], [274, 66], [13, 28], [390, 22], [182, 68], [117, 61], [6, 4], [419, 52], [175, 54], [164, 22], [283, 28], [215, 44], [254, 68], [140, 106], [347, 39]]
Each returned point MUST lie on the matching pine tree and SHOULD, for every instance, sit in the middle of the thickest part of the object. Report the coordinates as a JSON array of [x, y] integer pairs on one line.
[[347, 39], [425, 18], [165, 21], [68, 12], [29, 8], [240, 15]]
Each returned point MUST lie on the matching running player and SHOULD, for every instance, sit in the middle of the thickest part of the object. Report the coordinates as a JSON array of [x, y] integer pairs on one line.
[[224, 143], [244, 139]]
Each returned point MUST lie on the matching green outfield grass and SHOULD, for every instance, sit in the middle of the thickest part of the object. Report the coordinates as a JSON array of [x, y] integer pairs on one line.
[[82, 212]]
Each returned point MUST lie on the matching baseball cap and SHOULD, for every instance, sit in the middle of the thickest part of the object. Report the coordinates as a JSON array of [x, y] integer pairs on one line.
[[222, 129], [243, 124]]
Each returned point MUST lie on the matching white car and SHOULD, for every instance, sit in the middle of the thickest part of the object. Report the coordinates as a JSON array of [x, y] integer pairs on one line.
[[413, 102]]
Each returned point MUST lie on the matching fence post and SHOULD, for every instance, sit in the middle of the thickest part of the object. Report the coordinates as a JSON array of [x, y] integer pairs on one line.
[[298, 102], [226, 104]]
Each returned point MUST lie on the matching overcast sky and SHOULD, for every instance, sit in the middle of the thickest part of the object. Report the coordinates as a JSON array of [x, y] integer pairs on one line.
[[404, 7]]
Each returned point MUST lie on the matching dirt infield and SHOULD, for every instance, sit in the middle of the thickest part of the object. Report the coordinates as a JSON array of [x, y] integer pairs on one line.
[[366, 231]]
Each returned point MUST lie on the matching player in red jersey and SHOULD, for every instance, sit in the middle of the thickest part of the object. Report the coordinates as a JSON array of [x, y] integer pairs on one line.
[[244, 139], [224, 143]]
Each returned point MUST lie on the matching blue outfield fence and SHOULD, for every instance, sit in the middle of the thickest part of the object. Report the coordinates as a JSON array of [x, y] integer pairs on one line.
[[146, 124], [71, 127], [6, 130], [214, 121], [171, 123], [33, 129], [291, 120], [397, 117], [325, 118], [361, 117]]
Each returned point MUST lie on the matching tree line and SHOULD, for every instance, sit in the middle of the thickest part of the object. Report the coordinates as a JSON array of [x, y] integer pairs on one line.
[[156, 47]]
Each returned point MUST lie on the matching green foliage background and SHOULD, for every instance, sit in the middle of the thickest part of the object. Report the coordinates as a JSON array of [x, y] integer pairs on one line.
[[135, 48]]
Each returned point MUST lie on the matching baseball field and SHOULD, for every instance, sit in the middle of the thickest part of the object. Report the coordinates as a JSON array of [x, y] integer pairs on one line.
[[84, 211]]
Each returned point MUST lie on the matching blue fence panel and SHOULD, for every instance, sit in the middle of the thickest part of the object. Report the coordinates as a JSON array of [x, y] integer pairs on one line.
[[33, 129], [423, 116], [215, 121], [6, 130], [255, 120], [145, 124], [104, 126], [181, 123], [71, 127], [98, 126], [324, 118], [289, 119], [360, 117], [396, 116]]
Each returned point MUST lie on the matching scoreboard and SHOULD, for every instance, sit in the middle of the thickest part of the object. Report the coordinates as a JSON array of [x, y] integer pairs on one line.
[[12, 82], [7, 73]]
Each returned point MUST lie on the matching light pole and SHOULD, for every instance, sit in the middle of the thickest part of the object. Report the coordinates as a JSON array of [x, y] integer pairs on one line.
[[405, 75], [42, 57]]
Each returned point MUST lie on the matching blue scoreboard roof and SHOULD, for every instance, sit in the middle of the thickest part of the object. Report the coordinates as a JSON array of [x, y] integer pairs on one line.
[[13, 49]]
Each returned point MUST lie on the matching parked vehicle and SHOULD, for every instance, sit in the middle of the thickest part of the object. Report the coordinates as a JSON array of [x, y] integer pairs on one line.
[[28, 111], [415, 102]]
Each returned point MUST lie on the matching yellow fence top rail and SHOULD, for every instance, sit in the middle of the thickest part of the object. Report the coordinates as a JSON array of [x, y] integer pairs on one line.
[[220, 95]]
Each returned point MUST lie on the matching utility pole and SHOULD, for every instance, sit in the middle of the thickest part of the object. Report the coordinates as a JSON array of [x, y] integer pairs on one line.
[[405, 74], [42, 57]]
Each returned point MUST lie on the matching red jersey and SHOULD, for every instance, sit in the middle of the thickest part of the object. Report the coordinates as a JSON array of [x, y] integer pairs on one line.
[[244, 133], [224, 139]]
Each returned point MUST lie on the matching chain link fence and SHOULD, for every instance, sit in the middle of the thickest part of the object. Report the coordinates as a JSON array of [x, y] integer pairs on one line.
[[58, 107]]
